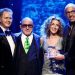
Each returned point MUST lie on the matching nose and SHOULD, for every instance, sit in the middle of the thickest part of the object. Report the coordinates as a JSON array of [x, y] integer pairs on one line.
[[27, 27], [70, 14], [9, 19]]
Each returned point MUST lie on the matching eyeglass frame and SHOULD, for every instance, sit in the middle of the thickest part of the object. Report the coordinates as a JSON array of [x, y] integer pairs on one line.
[[68, 12], [27, 25]]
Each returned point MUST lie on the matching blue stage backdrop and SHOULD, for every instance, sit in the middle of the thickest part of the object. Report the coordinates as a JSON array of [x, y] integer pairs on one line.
[[38, 10]]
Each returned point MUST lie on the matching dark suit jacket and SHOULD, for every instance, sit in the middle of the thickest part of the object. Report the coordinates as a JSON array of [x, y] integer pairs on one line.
[[6, 58], [69, 47], [30, 63]]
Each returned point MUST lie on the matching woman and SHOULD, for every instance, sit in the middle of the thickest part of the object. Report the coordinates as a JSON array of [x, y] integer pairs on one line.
[[51, 41]]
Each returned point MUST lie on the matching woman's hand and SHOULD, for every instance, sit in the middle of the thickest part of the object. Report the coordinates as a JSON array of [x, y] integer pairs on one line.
[[59, 57]]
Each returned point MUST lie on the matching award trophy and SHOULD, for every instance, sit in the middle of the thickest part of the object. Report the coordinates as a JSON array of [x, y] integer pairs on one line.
[[51, 53]]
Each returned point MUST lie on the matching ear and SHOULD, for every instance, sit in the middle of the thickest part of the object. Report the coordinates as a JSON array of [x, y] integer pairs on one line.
[[0, 19], [20, 27]]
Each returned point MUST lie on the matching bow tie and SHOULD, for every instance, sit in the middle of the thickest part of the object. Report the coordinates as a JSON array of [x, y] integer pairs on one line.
[[7, 32]]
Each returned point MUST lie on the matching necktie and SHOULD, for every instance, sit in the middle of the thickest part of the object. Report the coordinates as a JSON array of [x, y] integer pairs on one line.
[[26, 45], [7, 33]]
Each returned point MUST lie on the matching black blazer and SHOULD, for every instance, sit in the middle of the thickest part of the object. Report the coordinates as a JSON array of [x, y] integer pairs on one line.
[[6, 58], [30, 63], [69, 47]]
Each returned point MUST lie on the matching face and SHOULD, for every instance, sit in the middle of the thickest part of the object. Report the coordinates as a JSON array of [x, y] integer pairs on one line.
[[27, 27], [6, 19], [54, 26], [70, 13]]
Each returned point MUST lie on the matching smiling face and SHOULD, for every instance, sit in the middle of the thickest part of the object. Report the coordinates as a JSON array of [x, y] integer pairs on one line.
[[70, 13], [54, 26], [27, 26], [6, 19]]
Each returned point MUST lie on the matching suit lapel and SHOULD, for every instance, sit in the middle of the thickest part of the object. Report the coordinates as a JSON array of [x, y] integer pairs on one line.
[[66, 36], [4, 39], [14, 38], [19, 43], [72, 37], [37, 43], [1, 31]]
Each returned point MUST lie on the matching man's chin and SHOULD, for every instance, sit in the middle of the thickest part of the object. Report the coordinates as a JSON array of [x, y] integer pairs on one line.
[[72, 20], [27, 34], [6, 27]]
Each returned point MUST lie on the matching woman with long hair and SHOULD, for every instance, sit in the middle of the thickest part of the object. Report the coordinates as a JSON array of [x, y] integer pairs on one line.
[[51, 41]]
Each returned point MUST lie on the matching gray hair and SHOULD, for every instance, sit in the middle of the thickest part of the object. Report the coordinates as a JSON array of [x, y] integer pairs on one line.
[[5, 10], [70, 5]]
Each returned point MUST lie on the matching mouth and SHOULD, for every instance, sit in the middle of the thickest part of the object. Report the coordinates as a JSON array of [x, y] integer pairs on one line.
[[8, 23], [72, 18], [27, 31]]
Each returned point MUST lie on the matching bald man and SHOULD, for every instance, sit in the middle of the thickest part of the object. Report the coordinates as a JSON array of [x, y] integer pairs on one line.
[[28, 60]]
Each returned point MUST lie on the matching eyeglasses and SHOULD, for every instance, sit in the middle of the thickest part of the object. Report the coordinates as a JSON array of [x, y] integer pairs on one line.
[[68, 12], [26, 25]]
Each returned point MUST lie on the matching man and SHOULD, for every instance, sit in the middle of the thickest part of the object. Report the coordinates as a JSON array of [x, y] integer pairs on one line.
[[28, 54], [69, 40], [7, 43]]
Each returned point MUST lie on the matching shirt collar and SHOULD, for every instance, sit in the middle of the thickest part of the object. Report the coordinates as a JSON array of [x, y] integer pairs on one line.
[[31, 36], [4, 29]]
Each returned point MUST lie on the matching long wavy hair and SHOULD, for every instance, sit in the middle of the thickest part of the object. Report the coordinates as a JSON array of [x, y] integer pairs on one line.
[[45, 27]]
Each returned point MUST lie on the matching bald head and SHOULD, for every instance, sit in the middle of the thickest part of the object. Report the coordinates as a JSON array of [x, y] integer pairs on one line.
[[27, 26], [27, 20]]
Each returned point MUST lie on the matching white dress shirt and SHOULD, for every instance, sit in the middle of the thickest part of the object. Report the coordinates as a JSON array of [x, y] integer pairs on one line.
[[10, 40], [23, 39]]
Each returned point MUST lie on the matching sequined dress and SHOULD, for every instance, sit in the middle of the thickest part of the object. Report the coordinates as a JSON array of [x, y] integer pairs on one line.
[[52, 66]]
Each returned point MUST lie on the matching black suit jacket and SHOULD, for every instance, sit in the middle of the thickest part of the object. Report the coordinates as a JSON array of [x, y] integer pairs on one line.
[[69, 47], [6, 58], [30, 63]]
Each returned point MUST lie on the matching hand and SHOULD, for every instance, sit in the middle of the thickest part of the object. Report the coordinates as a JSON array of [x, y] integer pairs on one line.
[[59, 57]]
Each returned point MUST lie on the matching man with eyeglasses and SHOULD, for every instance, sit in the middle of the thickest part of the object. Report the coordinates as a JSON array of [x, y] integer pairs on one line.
[[69, 39], [29, 54]]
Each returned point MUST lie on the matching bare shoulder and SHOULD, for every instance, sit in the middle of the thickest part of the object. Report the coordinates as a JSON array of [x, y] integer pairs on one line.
[[41, 40]]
